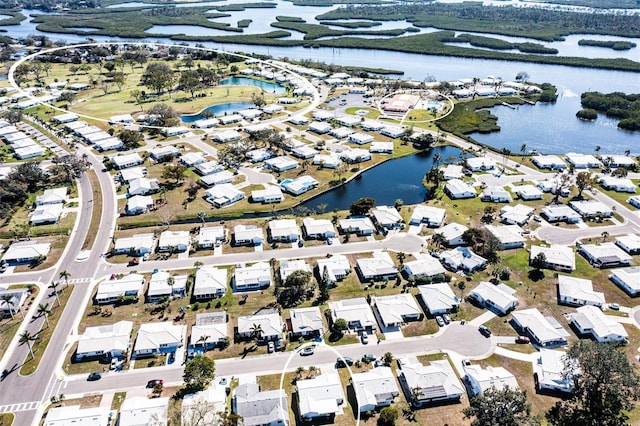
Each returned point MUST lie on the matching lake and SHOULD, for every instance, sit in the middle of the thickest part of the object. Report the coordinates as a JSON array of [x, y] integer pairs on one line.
[[264, 85], [218, 110], [395, 179]]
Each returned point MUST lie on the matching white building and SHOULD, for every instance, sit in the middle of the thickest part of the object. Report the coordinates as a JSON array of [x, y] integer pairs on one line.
[[287, 267], [591, 209], [203, 407], [374, 389], [387, 217], [590, 320], [26, 251], [306, 322], [209, 331], [548, 370], [163, 285], [320, 397], [253, 277], [548, 162], [578, 291], [557, 257], [318, 228], [260, 408], [284, 230], [142, 411], [223, 195], [545, 332], [126, 160], [425, 265], [210, 282], [281, 163], [452, 234], [560, 213], [74, 414], [480, 379], [438, 298], [496, 194], [299, 185], [426, 384], [247, 235], [158, 338], [605, 255], [270, 323], [582, 161], [462, 258], [138, 244], [481, 164], [48, 213], [528, 192], [457, 189], [360, 225], [429, 215], [378, 267], [499, 298], [334, 268], [515, 215], [52, 196], [627, 279], [270, 194], [227, 135], [356, 312], [396, 309], [110, 291], [210, 236], [617, 184], [629, 243], [110, 341], [178, 241], [510, 236]]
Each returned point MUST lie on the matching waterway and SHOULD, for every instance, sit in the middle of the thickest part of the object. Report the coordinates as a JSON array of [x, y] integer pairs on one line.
[[395, 179], [268, 87], [218, 110]]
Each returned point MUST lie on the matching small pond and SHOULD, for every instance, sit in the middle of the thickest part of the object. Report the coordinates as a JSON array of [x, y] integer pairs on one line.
[[264, 85], [218, 110]]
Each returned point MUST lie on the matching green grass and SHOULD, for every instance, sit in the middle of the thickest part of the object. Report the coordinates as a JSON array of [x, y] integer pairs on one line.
[[96, 211], [6, 419], [118, 399]]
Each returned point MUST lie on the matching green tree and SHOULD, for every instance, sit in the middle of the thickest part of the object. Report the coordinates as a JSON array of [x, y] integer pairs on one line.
[[603, 392], [198, 373], [340, 324], [256, 332], [299, 286], [174, 171], [10, 302], [65, 275], [54, 287], [584, 180], [388, 416], [130, 138], [43, 309], [28, 338], [158, 77], [505, 407], [362, 206], [189, 82]]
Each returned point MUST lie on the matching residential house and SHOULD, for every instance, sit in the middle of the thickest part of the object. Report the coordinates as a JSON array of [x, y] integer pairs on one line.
[[480, 379], [356, 312], [208, 168], [205, 123], [498, 298], [210, 237], [456, 189], [163, 285], [260, 408], [480, 164], [283, 230], [438, 298], [30, 151], [321, 397], [528, 192], [52, 196], [142, 186], [515, 215], [25, 251], [509, 236], [305, 322], [259, 154], [321, 229], [74, 414], [127, 175], [555, 186], [269, 322], [544, 331], [138, 204], [617, 184], [397, 309], [299, 185], [327, 161], [576, 291], [629, 243], [462, 258], [271, 194], [136, 245], [323, 115], [110, 291], [16, 298], [634, 201], [605, 255], [360, 138], [387, 217], [108, 144], [552, 162], [560, 213], [210, 330], [210, 282], [191, 159], [590, 320], [254, 277], [348, 120], [228, 119], [247, 235], [217, 178], [591, 209], [223, 195], [452, 234], [393, 132], [341, 132], [355, 155], [620, 161], [548, 371], [381, 147], [333, 269], [48, 213], [204, 407], [431, 216], [428, 384], [287, 267], [298, 120], [142, 411], [125, 161], [372, 126], [281, 163], [374, 389], [359, 225], [250, 113], [174, 131], [452, 171], [227, 135], [556, 257], [110, 341], [158, 338], [320, 128], [627, 279], [582, 161], [174, 241], [303, 151], [65, 118], [378, 267], [425, 265], [496, 194]]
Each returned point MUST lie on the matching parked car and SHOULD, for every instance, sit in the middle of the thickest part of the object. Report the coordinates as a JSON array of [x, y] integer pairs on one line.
[[343, 362], [271, 347], [446, 318], [466, 362], [369, 358], [523, 339], [96, 375], [133, 262], [364, 337], [614, 306], [484, 330], [154, 382], [172, 357], [440, 321], [115, 363], [278, 345], [307, 351]]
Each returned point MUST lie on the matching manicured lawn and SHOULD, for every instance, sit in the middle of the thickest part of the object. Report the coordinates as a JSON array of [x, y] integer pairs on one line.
[[6, 419], [96, 211]]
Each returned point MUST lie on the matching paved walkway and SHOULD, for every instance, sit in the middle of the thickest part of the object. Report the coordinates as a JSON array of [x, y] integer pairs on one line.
[[515, 355], [479, 320]]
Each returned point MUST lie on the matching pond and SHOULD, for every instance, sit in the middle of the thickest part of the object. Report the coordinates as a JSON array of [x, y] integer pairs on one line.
[[264, 85], [395, 179], [218, 110]]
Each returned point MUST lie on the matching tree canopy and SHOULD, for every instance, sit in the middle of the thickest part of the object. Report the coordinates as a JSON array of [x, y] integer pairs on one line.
[[299, 286], [198, 373], [362, 206], [505, 407]]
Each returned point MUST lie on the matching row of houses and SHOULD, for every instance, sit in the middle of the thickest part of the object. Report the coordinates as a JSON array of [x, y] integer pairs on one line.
[[22, 145]]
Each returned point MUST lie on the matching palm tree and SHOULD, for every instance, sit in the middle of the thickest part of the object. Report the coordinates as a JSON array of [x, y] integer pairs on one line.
[[604, 235], [27, 338], [65, 274], [523, 150], [54, 286], [627, 152], [597, 149], [43, 309], [11, 304], [439, 239], [203, 339], [437, 158], [171, 281], [197, 265], [256, 332], [401, 257]]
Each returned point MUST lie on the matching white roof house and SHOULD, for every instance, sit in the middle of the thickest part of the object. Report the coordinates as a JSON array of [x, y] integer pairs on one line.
[[247, 234], [328, 161], [456, 189], [209, 330], [425, 265], [528, 192], [582, 161], [299, 185], [548, 162], [360, 225], [605, 255], [142, 186], [47, 213], [210, 282], [128, 175], [434, 382], [74, 414], [306, 321], [271, 194], [126, 160], [178, 240], [516, 215], [227, 135], [387, 217], [544, 331], [381, 147], [138, 244], [452, 234], [360, 138], [320, 127], [159, 286], [452, 171], [223, 195], [25, 251], [438, 298], [557, 257], [341, 132], [627, 279], [287, 267], [259, 154], [591, 208], [252, 277], [303, 151], [355, 155], [480, 379], [206, 123], [560, 213], [391, 131], [397, 309], [281, 163], [578, 291], [375, 388], [592, 321], [52, 196], [333, 268], [477, 164], [617, 160], [112, 340], [634, 201], [219, 177], [462, 258], [498, 298], [142, 411], [191, 159], [496, 194], [378, 267], [260, 408], [158, 337], [617, 184], [356, 312], [208, 168], [16, 298], [510, 236], [549, 367], [209, 236], [321, 396], [285, 230], [112, 290], [271, 323], [318, 228], [203, 407], [629, 243], [429, 215]]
